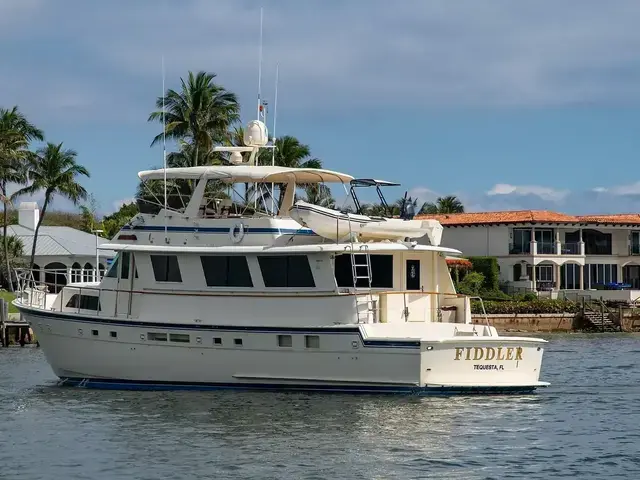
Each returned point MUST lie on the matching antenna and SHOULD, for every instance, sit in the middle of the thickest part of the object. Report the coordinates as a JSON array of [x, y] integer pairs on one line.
[[164, 154], [273, 150], [260, 67], [260, 107]]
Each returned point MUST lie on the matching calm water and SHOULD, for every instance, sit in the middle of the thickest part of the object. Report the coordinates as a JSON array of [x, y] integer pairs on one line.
[[586, 425]]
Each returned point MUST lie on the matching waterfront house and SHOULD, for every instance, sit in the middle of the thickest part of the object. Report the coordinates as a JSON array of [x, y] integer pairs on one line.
[[62, 253], [544, 250]]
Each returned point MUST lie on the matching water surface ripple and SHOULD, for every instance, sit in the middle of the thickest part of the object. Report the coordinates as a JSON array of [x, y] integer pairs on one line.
[[586, 425]]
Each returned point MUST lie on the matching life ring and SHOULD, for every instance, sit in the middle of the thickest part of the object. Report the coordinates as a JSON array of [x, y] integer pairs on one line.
[[236, 237]]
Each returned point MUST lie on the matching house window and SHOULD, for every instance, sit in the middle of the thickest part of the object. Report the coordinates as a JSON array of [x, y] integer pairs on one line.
[[285, 341], [286, 271], [381, 271], [157, 337], [84, 302], [312, 341], [599, 274], [546, 244], [596, 242], [166, 268], [226, 271], [179, 337], [521, 241], [517, 272]]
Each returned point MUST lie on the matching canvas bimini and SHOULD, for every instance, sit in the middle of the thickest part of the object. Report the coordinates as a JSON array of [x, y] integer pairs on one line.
[[213, 287]]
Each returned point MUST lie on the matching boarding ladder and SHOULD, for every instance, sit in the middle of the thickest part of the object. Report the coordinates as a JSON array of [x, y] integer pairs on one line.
[[361, 271]]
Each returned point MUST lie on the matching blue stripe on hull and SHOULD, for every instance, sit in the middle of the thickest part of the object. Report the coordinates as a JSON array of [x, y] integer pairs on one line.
[[249, 230], [115, 384], [413, 344]]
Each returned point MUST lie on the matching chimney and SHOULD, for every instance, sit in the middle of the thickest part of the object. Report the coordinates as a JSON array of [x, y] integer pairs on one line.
[[28, 214]]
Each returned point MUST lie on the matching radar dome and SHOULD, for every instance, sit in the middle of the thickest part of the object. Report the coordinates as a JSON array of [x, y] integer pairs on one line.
[[235, 158], [255, 135]]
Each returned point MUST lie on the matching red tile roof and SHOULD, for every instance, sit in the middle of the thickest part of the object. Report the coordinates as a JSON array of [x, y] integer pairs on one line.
[[529, 216]]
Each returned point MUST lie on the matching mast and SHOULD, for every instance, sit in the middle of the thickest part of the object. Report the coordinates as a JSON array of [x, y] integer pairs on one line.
[[164, 155], [273, 149]]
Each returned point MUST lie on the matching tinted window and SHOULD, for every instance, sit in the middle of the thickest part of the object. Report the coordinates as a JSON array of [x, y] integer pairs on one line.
[[286, 271], [166, 268], [126, 258], [85, 302], [113, 269], [381, 271], [229, 271]]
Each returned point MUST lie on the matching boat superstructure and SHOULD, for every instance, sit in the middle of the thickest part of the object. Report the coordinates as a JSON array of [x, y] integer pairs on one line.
[[210, 292]]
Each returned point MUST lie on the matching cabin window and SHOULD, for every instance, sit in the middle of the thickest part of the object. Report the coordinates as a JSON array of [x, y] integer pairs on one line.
[[381, 271], [166, 268], [94, 333], [237, 342], [157, 337], [285, 341], [226, 271], [217, 341], [126, 259], [84, 302], [179, 337], [113, 334], [312, 341], [286, 271], [113, 269]]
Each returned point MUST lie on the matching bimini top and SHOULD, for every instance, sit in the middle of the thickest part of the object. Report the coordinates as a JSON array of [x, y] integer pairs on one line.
[[249, 174]]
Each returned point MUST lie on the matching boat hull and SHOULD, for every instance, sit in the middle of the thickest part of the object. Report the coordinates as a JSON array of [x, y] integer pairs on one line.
[[84, 352]]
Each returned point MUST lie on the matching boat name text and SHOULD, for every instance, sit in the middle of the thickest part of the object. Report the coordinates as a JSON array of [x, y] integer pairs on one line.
[[488, 353]]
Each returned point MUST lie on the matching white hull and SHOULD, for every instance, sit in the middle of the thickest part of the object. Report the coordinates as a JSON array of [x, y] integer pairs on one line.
[[348, 359], [337, 226]]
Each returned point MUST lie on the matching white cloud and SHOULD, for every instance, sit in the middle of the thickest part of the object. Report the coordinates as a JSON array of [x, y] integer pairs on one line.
[[632, 189], [423, 194], [545, 193]]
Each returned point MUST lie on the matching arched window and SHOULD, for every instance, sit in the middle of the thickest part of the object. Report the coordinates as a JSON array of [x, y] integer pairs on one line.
[[76, 272], [88, 273], [55, 276]]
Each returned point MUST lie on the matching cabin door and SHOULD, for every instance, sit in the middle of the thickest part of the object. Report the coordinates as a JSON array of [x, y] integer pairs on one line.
[[413, 275], [416, 303], [125, 277]]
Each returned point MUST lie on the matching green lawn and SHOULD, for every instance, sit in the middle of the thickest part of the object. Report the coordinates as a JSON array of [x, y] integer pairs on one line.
[[8, 296]]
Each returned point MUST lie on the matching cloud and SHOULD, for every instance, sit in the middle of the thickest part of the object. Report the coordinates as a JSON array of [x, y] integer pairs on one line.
[[423, 194], [331, 54], [632, 189], [545, 193]]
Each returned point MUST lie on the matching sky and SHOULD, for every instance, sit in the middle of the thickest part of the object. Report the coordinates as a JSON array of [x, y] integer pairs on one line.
[[507, 105]]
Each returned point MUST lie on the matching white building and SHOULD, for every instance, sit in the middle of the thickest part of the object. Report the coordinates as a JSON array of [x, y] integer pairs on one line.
[[62, 253], [568, 252]]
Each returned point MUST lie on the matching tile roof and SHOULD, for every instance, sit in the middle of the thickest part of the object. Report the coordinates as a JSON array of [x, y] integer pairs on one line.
[[529, 216]]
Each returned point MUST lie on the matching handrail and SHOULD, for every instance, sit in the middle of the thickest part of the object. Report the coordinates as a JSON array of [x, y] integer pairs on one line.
[[484, 313]]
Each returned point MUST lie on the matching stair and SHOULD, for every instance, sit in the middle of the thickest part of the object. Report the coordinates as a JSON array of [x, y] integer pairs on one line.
[[595, 321]]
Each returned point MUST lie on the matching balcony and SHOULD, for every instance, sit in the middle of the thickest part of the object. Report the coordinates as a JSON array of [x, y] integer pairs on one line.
[[547, 248], [570, 248], [519, 249]]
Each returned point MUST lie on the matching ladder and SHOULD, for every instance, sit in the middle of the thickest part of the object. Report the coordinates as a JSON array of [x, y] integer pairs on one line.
[[362, 271]]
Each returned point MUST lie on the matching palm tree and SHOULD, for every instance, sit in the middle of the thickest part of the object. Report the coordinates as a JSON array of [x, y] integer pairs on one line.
[[15, 134], [200, 114], [289, 152], [13, 254], [54, 170], [448, 204], [319, 194]]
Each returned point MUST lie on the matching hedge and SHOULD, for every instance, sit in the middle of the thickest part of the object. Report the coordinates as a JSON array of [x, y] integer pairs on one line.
[[487, 266], [522, 307]]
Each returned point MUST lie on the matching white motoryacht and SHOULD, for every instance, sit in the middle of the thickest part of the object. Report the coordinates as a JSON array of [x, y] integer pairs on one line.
[[209, 292]]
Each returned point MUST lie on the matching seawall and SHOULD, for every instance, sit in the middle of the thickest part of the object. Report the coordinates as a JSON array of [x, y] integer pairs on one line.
[[528, 322]]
